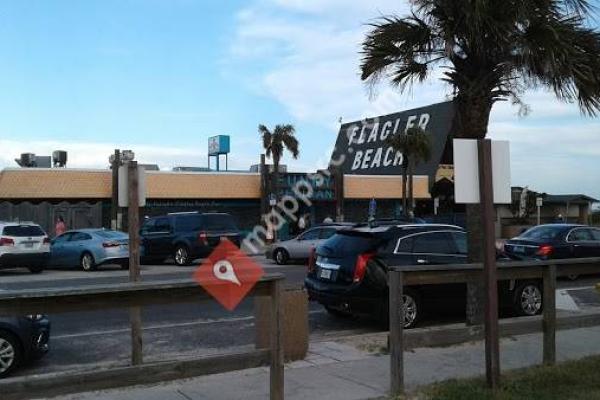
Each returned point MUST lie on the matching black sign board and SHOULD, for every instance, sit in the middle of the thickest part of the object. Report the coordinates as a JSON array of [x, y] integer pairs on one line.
[[361, 147]]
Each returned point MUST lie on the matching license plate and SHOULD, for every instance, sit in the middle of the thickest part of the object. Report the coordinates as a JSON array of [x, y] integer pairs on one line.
[[325, 274], [519, 249], [28, 244]]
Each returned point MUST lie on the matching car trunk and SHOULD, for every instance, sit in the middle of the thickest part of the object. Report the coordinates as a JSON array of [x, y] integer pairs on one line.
[[26, 238], [522, 248], [336, 259]]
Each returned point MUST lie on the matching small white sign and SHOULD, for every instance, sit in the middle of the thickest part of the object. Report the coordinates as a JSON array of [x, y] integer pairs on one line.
[[124, 186], [539, 201], [466, 171]]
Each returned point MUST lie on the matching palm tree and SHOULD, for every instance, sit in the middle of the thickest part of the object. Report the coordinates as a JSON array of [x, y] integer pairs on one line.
[[489, 50], [275, 143], [415, 146]]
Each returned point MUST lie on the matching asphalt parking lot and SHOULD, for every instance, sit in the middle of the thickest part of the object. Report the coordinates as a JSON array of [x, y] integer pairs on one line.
[[84, 338]]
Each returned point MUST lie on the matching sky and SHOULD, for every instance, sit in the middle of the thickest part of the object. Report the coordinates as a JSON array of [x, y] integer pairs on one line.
[[161, 76]]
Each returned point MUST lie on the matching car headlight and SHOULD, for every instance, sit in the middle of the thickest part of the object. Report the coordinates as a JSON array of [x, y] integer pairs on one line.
[[34, 317]]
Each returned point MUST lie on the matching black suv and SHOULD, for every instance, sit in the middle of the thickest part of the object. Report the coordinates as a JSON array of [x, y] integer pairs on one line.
[[22, 339], [185, 236], [348, 273]]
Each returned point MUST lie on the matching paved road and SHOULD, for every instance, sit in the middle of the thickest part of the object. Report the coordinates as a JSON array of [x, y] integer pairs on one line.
[[205, 328]]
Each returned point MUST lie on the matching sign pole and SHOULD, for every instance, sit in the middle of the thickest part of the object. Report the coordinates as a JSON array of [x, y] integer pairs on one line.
[[486, 190], [135, 313], [114, 210]]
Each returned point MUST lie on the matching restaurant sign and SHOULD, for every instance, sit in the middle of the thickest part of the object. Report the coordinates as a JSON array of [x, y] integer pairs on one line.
[[361, 147]]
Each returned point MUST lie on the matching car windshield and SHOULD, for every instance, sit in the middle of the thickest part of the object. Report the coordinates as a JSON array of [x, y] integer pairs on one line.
[[541, 232], [23, 231], [111, 234]]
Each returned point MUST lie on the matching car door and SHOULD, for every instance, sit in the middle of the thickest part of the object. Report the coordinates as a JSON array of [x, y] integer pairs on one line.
[[58, 250], [596, 239], [432, 248], [582, 243], [158, 238], [76, 246], [301, 246], [441, 248]]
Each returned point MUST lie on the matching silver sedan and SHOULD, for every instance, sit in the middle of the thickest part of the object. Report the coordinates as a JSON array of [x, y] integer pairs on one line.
[[299, 247]]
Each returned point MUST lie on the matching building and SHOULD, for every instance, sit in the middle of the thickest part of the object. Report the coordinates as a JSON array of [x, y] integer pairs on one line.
[[83, 196]]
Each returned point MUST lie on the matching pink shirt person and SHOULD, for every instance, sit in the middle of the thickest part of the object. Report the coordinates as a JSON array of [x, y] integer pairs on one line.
[[60, 226]]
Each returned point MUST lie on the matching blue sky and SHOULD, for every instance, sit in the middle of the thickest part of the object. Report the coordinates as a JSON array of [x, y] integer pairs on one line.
[[161, 76]]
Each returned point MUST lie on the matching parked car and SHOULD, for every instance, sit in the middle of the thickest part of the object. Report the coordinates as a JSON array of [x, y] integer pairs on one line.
[[552, 241], [90, 248], [23, 245], [349, 273], [22, 339], [299, 248], [186, 236]]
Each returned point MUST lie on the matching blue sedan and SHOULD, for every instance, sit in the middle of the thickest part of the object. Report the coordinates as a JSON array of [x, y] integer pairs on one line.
[[89, 248]]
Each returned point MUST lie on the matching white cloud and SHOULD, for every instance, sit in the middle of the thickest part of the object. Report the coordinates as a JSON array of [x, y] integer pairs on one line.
[[307, 56]]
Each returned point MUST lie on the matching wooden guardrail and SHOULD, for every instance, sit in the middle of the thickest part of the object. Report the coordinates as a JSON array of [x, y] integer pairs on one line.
[[547, 271], [138, 294]]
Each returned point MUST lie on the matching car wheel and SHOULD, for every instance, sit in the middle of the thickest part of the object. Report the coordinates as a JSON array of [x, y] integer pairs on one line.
[[528, 299], [87, 262], [412, 309], [281, 256], [36, 269], [336, 312], [10, 353], [181, 256]]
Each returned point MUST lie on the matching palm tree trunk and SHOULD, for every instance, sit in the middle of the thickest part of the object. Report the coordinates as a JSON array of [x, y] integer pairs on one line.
[[404, 185], [275, 186], [411, 194]]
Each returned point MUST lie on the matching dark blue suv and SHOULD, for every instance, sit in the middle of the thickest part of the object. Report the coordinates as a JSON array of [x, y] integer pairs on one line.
[[185, 236], [22, 339]]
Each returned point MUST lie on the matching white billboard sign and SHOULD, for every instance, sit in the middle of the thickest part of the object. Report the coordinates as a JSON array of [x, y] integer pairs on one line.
[[124, 186], [466, 171]]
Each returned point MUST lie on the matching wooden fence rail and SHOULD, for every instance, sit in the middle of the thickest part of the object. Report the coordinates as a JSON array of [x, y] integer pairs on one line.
[[139, 294], [547, 271]]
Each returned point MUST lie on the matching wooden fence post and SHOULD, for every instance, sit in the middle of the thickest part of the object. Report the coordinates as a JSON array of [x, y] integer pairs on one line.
[[133, 222], [486, 195], [276, 373], [549, 318], [396, 307]]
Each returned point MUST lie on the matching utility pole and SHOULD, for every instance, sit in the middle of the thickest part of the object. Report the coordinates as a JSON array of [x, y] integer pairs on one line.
[[133, 219], [486, 195], [115, 163]]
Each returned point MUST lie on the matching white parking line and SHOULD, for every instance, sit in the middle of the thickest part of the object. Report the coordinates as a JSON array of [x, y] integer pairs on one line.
[[164, 326], [155, 327]]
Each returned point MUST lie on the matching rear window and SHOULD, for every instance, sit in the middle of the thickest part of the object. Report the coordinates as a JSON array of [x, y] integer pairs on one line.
[[541, 232], [111, 235], [23, 231], [219, 223], [345, 243]]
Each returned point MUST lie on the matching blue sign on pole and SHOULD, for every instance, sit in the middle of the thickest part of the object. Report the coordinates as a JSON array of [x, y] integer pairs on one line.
[[372, 209]]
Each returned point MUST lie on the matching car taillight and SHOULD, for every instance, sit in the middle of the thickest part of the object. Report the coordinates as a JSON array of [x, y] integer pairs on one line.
[[46, 240], [110, 244], [361, 266], [545, 250], [312, 260], [6, 242], [203, 238]]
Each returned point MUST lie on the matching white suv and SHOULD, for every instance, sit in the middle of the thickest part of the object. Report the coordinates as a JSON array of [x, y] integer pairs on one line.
[[23, 244]]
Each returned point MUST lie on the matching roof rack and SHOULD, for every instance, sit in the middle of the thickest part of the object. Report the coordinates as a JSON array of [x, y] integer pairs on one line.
[[184, 213]]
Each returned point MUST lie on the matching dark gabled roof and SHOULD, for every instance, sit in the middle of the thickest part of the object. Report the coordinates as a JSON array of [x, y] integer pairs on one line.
[[569, 198]]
